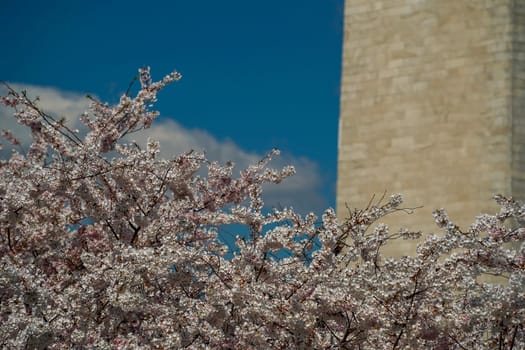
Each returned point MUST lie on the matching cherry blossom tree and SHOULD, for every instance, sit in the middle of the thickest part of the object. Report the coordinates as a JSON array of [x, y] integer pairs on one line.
[[106, 246]]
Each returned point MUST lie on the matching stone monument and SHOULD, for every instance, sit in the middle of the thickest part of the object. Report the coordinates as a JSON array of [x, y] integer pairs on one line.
[[433, 107]]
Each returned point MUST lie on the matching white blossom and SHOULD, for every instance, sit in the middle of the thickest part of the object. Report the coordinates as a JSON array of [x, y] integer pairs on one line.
[[104, 245]]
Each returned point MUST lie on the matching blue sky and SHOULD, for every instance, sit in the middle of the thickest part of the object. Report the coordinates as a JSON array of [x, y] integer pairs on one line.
[[256, 75]]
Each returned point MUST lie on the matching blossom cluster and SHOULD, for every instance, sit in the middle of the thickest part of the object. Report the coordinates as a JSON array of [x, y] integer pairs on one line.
[[105, 246]]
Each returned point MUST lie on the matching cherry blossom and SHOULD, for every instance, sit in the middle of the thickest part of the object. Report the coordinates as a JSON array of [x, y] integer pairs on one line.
[[106, 246]]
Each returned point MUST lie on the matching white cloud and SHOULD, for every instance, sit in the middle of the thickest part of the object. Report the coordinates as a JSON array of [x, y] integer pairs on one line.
[[301, 191]]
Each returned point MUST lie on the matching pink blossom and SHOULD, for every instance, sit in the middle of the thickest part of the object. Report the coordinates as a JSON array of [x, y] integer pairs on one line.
[[123, 252]]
